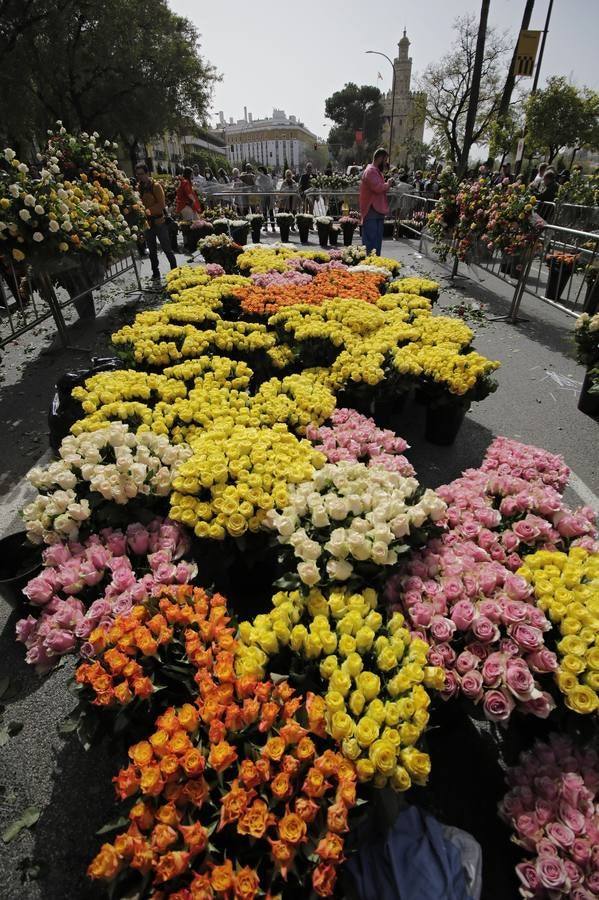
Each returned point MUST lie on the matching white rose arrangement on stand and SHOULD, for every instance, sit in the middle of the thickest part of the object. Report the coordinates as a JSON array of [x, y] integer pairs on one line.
[[112, 464], [350, 518]]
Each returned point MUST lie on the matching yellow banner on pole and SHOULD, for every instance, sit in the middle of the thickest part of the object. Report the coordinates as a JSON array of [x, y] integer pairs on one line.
[[528, 44]]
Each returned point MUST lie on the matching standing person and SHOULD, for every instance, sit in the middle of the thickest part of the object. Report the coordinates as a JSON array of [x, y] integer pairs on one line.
[[546, 206], [187, 202], [152, 196], [304, 185], [288, 187], [223, 178], [265, 186], [373, 201], [504, 175], [537, 183], [248, 179]]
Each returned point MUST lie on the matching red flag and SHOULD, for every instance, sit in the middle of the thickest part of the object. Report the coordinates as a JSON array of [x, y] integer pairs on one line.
[[359, 137]]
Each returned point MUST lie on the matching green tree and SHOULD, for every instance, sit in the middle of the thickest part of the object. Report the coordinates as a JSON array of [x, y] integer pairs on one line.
[[355, 109], [126, 68], [504, 132], [562, 115], [447, 86]]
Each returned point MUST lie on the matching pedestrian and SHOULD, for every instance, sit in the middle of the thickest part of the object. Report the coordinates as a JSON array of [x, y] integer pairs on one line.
[[537, 183], [152, 196], [223, 178], [288, 188], [187, 202], [208, 175], [265, 186], [505, 176], [373, 201], [197, 179], [546, 207], [247, 179], [304, 186]]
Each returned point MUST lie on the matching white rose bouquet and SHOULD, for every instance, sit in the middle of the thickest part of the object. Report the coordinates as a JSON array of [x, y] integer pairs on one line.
[[351, 519], [95, 471]]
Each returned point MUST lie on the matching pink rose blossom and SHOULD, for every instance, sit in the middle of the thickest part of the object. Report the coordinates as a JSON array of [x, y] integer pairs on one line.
[[498, 706], [552, 873]]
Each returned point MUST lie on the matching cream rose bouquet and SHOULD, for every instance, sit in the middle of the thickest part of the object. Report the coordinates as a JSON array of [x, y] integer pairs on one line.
[[96, 473], [351, 519]]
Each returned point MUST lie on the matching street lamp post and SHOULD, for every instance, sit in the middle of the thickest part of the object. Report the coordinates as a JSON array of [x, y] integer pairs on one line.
[[378, 53]]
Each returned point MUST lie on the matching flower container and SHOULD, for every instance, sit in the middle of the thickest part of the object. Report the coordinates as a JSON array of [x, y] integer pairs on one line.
[[511, 265], [324, 231], [256, 222], [389, 409], [591, 298], [221, 226], [348, 234], [284, 223], [588, 403], [20, 561], [388, 228], [304, 224], [443, 421], [239, 233], [559, 276], [334, 235]]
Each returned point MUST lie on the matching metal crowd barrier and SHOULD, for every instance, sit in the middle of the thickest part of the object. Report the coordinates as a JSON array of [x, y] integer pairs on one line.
[[29, 295]]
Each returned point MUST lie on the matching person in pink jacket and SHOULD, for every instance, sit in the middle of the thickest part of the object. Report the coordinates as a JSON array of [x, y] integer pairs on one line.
[[373, 201]]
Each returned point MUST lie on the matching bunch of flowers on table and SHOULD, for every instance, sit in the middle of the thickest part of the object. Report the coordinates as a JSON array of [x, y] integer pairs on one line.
[[566, 587], [382, 262], [351, 519], [357, 438], [551, 806], [211, 277], [375, 675], [312, 266], [220, 249], [236, 793], [270, 279], [368, 267], [96, 474], [236, 474], [86, 585]]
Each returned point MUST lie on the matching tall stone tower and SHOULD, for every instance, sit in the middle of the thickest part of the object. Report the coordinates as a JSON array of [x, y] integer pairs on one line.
[[407, 107]]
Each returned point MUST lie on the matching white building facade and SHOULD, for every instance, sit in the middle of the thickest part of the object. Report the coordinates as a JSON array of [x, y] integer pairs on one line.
[[277, 142]]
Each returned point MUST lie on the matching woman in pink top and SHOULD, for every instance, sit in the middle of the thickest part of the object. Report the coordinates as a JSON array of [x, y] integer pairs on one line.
[[373, 201]]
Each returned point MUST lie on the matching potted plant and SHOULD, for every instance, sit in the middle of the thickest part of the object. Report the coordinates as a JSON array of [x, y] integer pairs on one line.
[[220, 249], [588, 402], [348, 226], [220, 225], [284, 222], [561, 266], [304, 224], [334, 235], [239, 229], [256, 222], [591, 299], [323, 226]]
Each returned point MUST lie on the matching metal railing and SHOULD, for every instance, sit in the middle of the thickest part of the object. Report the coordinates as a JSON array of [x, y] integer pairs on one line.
[[30, 295], [562, 271]]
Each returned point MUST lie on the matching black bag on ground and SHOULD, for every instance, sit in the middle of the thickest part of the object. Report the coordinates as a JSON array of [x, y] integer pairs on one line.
[[64, 409]]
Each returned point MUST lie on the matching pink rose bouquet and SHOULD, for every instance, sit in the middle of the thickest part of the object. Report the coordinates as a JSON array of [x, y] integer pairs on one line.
[[552, 808], [86, 585], [356, 438], [508, 457], [268, 279]]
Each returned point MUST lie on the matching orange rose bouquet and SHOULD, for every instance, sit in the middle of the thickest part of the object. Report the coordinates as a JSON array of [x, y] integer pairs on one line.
[[232, 796]]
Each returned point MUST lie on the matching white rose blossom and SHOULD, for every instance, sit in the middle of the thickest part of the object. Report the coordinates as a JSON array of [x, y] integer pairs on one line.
[[352, 514], [141, 465]]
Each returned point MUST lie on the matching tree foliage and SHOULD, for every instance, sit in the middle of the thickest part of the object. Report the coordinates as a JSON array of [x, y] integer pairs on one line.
[[562, 115], [355, 109], [127, 68], [447, 85]]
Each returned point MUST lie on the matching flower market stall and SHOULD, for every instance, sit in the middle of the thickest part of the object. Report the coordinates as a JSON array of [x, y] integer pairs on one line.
[[284, 626], [64, 223]]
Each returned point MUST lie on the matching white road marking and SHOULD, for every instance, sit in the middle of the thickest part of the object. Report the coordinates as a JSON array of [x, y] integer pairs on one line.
[[583, 492]]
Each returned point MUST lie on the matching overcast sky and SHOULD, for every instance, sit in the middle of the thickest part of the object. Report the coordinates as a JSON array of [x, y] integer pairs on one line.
[[293, 57]]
